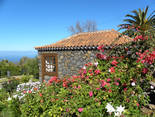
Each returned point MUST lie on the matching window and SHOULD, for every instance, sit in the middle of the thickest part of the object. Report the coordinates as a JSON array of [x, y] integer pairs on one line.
[[49, 64]]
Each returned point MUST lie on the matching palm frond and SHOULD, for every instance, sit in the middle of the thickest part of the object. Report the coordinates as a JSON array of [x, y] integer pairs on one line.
[[151, 14], [137, 15], [133, 17], [146, 10], [130, 21]]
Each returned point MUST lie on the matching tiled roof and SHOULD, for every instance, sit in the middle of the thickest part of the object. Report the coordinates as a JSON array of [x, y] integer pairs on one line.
[[89, 39]]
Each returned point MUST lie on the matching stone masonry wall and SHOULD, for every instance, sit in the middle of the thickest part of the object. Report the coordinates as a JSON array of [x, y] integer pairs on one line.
[[70, 62]]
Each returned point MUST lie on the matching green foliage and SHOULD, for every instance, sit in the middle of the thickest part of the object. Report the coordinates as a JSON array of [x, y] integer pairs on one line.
[[11, 85], [118, 79], [11, 109], [8, 66], [3, 94], [3, 98], [26, 66], [25, 78], [29, 66]]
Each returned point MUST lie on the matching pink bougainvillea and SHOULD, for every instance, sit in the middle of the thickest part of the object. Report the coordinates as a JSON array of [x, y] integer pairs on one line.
[[40, 94], [54, 78], [112, 69], [116, 83], [90, 93], [144, 70], [30, 91], [140, 37], [146, 57], [80, 109], [97, 71], [108, 80], [100, 47], [114, 62]]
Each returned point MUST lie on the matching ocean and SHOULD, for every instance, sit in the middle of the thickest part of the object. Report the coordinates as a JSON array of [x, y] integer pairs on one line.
[[15, 56]]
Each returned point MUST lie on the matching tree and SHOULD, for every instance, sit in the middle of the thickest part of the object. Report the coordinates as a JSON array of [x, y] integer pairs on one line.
[[88, 26], [6, 65], [139, 22], [29, 66]]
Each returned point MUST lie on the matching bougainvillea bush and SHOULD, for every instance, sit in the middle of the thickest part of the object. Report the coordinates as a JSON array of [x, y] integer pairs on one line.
[[114, 85]]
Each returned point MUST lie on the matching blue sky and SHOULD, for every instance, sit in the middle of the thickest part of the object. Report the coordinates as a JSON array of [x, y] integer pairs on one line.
[[25, 24]]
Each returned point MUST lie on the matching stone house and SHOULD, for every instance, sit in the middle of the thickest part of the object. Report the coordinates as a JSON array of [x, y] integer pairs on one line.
[[68, 56]]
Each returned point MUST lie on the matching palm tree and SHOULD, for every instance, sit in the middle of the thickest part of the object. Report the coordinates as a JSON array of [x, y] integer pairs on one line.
[[139, 22]]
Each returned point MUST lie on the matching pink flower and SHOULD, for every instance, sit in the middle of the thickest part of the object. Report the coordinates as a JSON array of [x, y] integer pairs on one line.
[[116, 83], [101, 56], [91, 74], [97, 88], [104, 57], [119, 79], [30, 91], [40, 94], [97, 71], [24, 91], [112, 70], [54, 78], [65, 84], [104, 83], [125, 89], [108, 80], [100, 47], [79, 86], [84, 71], [90, 93], [137, 104], [80, 109], [110, 91], [144, 70], [114, 62]]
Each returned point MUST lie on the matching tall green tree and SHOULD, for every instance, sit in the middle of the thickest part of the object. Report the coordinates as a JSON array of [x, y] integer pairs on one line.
[[29, 66], [139, 22]]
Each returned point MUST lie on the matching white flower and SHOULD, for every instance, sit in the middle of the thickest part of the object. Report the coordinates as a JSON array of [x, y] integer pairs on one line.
[[84, 67], [109, 108], [9, 98], [29, 86], [117, 114], [152, 87], [133, 84], [120, 109], [96, 63], [15, 96]]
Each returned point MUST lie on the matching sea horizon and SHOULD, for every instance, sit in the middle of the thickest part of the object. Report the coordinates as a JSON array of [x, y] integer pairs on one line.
[[15, 55]]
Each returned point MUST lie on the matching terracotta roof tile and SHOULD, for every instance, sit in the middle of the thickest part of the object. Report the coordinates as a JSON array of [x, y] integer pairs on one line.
[[89, 39]]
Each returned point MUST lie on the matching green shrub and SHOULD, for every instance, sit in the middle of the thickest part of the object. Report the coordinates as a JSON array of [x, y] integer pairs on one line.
[[11, 85], [3, 94], [114, 85], [26, 78], [3, 100]]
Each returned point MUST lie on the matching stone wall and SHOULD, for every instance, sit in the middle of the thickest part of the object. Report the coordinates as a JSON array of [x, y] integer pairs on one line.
[[70, 62]]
